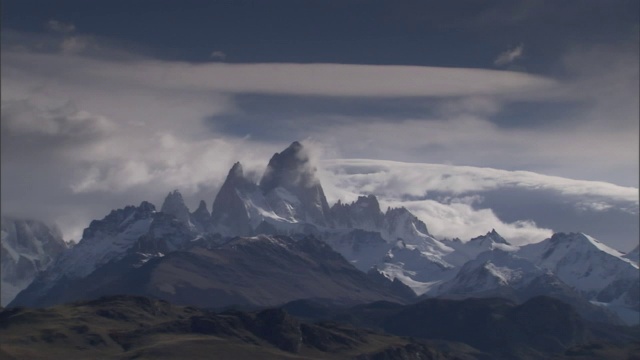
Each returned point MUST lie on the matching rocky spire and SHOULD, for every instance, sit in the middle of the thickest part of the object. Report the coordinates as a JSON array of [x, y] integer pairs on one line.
[[292, 171], [202, 210], [174, 205], [492, 236], [201, 218], [364, 213], [228, 212]]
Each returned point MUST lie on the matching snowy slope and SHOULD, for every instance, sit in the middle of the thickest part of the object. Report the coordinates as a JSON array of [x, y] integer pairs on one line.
[[491, 270], [103, 241], [466, 251], [580, 261]]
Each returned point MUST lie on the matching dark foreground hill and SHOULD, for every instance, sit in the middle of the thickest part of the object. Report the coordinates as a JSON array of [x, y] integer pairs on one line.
[[540, 328], [129, 327]]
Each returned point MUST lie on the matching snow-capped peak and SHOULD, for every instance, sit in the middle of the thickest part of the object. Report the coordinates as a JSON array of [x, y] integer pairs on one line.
[[490, 270], [105, 240], [491, 237], [580, 260], [290, 186], [465, 251]]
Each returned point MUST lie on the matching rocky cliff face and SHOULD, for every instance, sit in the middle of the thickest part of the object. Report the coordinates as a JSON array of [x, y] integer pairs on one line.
[[230, 214], [292, 189]]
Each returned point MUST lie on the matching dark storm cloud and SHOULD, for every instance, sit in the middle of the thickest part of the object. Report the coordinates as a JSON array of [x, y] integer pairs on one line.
[[462, 33], [282, 117]]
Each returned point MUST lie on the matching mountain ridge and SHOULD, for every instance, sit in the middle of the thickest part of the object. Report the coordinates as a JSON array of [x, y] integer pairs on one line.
[[289, 201]]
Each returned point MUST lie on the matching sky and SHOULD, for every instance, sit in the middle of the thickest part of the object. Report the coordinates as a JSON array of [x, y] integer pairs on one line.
[[108, 103]]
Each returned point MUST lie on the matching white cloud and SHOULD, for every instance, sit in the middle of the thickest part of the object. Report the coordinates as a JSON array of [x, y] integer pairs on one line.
[[509, 56], [458, 220], [219, 55], [458, 208], [395, 180], [298, 79], [466, 139], [74, 44], [59, 26], [165, 161], [22, 118]]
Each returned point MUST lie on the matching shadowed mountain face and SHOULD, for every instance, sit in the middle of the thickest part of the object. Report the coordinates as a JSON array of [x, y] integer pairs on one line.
[[229, 212], [255, 271]]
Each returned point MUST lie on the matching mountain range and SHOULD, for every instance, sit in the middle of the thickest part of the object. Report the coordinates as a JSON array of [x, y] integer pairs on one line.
[[277, 240]]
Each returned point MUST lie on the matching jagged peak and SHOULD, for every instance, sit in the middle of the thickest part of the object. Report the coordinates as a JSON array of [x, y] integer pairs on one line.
[[120, 217], [202, 207], [397, 211], [173, 202], [236, 179], [201, 214], [175, 194], [291, 167], [147, 206], [583, 241], [295, 146], [295, 150], [236, 176], [368, 200], [236, 170], [493, 236]]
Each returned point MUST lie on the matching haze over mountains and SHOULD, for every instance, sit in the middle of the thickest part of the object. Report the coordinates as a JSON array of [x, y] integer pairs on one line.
[[28, 247], [294, 245]]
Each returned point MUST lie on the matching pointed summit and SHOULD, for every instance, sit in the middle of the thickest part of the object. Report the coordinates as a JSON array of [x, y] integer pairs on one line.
[[202, 209], [229, 213], [364, 213], [201, 218], [174, 205], [236, 171], [289, 168], [492, 237], [292, 189]]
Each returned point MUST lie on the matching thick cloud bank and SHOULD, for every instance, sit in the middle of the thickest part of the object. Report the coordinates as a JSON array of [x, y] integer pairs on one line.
[[465, 201]]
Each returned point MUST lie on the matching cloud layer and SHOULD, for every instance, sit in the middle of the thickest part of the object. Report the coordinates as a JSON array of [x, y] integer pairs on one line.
[[464, 201], [89, 128]]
